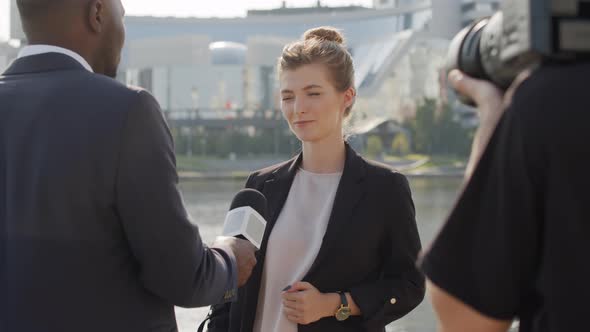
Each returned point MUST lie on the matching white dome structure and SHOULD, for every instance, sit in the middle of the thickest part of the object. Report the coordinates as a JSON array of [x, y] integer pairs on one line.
[[228, 53]]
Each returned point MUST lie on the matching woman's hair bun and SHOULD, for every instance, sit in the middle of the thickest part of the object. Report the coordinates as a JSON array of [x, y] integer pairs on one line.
[[324, 33]]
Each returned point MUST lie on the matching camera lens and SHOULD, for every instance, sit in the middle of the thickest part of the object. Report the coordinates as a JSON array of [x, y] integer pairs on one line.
[[464, 51]]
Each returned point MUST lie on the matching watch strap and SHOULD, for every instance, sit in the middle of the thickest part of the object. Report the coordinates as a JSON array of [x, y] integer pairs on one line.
[[343, 299]]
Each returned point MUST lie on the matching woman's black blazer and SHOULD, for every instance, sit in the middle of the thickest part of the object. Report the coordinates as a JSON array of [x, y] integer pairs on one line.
[[369, 249]]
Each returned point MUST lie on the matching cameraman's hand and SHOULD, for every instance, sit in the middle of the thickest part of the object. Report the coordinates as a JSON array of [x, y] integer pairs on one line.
[[244, 251], [490, 104]]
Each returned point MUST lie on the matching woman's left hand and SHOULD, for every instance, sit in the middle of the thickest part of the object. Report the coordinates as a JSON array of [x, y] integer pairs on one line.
[[304, 304]]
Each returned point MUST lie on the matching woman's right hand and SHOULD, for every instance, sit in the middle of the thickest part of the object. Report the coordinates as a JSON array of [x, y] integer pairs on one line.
[[304, 304]]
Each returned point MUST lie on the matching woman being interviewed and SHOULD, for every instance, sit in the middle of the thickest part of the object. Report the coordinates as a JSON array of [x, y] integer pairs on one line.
[[341, 243]]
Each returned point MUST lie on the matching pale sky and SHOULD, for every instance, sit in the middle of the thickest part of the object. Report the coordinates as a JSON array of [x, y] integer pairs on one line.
[[198, 8], [220, 8]]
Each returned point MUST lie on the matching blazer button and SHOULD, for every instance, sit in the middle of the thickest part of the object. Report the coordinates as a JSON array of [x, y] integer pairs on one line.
[[393, 300]]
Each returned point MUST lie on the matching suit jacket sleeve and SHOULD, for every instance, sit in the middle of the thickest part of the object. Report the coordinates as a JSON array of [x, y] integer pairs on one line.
[[401, 286], [173, 262]]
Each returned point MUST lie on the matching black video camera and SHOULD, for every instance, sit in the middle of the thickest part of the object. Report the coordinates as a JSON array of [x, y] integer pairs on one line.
[[522, 35]]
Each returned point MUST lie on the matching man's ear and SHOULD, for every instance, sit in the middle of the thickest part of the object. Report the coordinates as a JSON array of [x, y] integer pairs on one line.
[[96, 12]]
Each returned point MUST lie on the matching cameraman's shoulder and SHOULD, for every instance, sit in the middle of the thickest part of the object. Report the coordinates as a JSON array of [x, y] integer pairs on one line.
[[550, 100], [565, 70], [550, 85], [549, 79]]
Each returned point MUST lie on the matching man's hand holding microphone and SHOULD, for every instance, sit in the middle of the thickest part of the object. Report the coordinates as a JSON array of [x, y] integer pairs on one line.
[[244, 251], [243, 230]]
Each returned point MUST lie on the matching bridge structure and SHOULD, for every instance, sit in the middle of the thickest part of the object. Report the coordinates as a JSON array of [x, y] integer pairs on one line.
[[222, 118]]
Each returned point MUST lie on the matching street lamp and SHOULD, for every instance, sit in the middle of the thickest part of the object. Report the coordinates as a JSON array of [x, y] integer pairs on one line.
[[195, 98], [188, 131]]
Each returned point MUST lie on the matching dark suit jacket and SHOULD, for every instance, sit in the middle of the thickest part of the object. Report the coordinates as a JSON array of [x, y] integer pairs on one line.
[[369, 249], [93, 233]]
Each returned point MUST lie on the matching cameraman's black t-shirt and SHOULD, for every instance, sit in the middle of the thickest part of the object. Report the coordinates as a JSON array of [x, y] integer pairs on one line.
[[517, 244]]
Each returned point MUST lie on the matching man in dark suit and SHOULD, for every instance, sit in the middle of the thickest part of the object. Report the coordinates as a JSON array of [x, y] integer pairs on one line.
[[93, 232]]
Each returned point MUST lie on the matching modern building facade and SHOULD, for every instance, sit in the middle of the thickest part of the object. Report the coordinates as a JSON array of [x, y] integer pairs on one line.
[[16, 31], [474, 9], [227, 67], [448, 15], [230, 64]]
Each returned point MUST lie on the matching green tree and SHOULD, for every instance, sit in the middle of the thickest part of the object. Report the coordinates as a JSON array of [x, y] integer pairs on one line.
[[423, 126], [437, 132], [400, 144], [451, 137]]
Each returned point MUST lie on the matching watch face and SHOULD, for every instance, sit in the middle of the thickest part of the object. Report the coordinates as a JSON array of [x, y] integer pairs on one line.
[[343, 313]]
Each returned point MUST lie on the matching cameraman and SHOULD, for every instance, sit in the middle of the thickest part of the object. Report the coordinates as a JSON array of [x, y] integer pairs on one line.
[[516, 244]]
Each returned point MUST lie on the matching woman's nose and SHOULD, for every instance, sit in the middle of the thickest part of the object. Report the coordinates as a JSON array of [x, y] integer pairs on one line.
[[299, 107]]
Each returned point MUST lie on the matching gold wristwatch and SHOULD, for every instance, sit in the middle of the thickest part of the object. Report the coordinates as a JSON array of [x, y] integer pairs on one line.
[[344, 311]]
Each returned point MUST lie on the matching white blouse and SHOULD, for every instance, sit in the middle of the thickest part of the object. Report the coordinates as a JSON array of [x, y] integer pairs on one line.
[[294, 244]]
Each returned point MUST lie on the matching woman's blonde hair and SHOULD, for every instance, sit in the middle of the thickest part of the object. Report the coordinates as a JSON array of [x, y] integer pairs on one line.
[[326, 46]]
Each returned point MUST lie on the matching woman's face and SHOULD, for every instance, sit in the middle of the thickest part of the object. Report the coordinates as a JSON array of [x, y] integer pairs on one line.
[[311, 104]]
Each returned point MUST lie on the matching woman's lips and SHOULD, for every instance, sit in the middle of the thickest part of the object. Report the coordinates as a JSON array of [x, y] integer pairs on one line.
[[302, 122]]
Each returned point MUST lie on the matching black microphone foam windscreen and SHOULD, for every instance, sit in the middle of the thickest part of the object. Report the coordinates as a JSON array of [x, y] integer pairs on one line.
[[252, 198], [247, 217]]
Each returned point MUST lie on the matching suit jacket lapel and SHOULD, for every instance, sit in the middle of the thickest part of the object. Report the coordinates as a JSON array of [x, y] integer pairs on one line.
[[350, 190]]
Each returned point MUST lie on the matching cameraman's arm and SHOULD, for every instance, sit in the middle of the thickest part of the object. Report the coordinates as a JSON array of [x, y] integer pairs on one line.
[[473, 297], [491, 103], [454, 315]]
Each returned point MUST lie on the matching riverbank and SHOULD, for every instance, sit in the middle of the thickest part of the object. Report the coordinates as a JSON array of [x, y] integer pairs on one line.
[[199, 168]]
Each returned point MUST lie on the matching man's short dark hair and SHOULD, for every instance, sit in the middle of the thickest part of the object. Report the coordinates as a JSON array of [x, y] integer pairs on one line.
[[34, 8]]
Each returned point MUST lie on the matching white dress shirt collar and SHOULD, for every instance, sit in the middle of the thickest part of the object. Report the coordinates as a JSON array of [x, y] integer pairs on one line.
[[42, 49]]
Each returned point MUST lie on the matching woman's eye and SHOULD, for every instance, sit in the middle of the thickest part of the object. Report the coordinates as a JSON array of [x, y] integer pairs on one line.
[[314, 94], [287, 98]]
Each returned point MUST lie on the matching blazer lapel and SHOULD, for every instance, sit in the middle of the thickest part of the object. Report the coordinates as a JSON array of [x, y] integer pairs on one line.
[[276, 189], [350, 190]]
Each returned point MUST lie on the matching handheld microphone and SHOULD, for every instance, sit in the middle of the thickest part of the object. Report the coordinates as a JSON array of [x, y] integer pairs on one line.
[[247, 217]]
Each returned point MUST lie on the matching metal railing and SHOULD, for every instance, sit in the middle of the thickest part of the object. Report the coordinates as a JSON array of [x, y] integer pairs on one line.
[[221, 114]]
